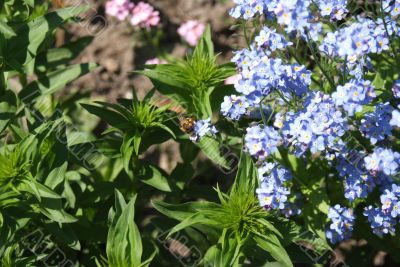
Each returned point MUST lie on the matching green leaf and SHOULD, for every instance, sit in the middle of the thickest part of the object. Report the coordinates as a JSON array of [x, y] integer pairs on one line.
[[207, 42], [59, 216], [124, 244], [112, 117], [211, 148], [137, 139], [38, 190], [56, 176], [229, 249], [55, 57], [54, 81], [155, 177], [167, 129], [247, 174], [8, 102], [195, 219], [127, 150], [6, 30], [64, 234], [22, 48], [270, 243], [181, 212]]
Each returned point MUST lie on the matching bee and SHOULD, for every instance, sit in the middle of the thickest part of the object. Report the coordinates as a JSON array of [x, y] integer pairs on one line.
[[187, 124]]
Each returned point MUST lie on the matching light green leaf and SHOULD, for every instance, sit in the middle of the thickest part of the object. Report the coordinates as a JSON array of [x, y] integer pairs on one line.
[[59, 216], [181, 212], [195, 219], [156, 178], [54, 81], [6, 30], [56, 176], [270, 243], [211, 148], [124, 244], [22, 48]]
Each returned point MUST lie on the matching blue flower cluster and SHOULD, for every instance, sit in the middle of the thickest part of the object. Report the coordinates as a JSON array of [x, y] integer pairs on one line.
[[234, 107], [376, 125], [342, 224], [392, 8], [250, 8], [318, 127], [335, 9], [358, 183], [395, 120], [383, 220], [261, 75], [201, 129], [295, 15], [261, 142], [383, 160], [271, 40], [353, 95], [291, 209], [273, 193], [396, 89], [354, 42], [311, 121]]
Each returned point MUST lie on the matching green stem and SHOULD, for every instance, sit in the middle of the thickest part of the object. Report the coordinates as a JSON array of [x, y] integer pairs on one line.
[[245, 34], [262, 114], [3, 82], [283, 98], [386, 29], [152, 41], [272, 113], [324, 72]]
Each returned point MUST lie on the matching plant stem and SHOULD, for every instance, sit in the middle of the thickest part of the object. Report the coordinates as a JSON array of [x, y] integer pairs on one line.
[[262, 114], [3, 83], [331, 82], [386, 29]]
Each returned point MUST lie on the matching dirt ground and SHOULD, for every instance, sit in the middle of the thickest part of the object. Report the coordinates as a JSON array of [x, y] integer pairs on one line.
[[117, 50]]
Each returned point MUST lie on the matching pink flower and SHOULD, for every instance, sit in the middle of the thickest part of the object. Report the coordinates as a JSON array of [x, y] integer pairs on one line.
[[144, 16], [233, 79], [191, 31], [155, 61], [119, 8]]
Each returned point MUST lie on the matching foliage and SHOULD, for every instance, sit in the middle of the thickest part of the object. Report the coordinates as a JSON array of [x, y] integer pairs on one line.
[[79, 184]]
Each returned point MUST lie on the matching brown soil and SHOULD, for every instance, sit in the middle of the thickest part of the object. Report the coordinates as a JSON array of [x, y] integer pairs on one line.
[[116, 49]]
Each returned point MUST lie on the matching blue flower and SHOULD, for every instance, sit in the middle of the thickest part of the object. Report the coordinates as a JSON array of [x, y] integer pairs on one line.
[[262, 75], [354, 42], [358, 183], [392, 8], [293, 14], [342, 224], [396, 89], [272, 193], [395, 120], [335, 9], [376, 125], [249, 8], [203, 128], [234, 107], [353, 95], [381, 223], [383, 160], [318, 127], [262, 141], [271, 40]]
